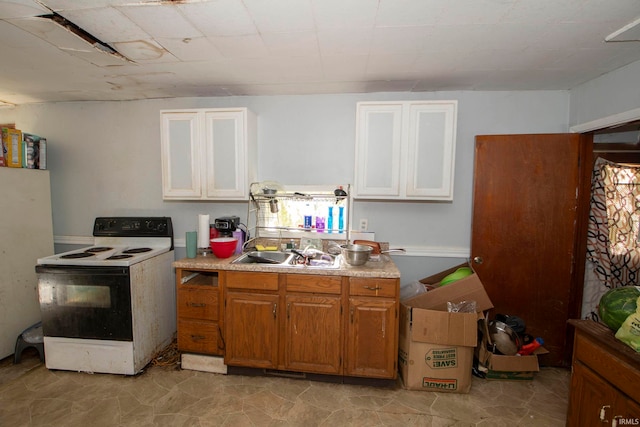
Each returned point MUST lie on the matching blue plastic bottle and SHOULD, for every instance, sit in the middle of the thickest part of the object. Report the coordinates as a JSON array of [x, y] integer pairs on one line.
[[330, 220], [341, 219]]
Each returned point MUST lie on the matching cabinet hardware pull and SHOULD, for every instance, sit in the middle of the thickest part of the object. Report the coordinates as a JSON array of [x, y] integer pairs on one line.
[[351, 312], [373, 288], [197, 337], [603, 413], [197, 304], [275, 309]]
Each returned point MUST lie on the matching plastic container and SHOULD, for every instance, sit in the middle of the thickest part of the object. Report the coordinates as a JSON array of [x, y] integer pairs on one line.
[[223, 247], [341, 219], [330, 219]]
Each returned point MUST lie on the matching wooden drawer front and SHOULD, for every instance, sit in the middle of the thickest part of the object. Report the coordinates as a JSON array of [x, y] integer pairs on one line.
[[314, 284], [255, 281], [616, 371], [198, 303], [373, 287], [199, 337]]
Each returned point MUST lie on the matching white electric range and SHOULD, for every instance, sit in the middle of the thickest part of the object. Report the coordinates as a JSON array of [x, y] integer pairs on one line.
[[110, 307]]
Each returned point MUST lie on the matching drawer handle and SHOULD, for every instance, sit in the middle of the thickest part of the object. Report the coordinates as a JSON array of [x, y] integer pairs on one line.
[[373, 288], [197, 337], [197, 304], [603, 413]]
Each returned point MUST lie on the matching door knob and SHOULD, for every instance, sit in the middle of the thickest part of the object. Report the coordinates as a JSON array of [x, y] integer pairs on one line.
[[478, 260]]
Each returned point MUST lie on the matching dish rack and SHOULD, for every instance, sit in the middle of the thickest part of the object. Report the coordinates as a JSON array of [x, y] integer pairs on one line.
[[278, 212]]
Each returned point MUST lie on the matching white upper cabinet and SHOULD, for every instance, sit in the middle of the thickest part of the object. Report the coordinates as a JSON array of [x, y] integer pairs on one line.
[[208, 154], [405, 150]]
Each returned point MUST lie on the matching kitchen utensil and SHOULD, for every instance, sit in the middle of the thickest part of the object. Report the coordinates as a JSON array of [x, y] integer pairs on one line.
[[356, 254], [223, 247], [376, 247], [273, 206], [505, 339]]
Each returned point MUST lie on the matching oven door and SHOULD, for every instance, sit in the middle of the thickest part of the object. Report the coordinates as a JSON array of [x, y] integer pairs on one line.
[[85, 302]]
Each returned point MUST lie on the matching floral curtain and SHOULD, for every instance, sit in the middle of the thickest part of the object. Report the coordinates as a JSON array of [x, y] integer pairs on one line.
[[613, 247]]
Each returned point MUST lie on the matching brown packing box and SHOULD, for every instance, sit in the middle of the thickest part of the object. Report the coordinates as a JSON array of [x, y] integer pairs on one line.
[[436, 348], [500, 367]]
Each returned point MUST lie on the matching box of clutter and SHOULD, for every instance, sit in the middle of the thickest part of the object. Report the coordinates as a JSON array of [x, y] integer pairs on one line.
[[439, 331], [505, 351]]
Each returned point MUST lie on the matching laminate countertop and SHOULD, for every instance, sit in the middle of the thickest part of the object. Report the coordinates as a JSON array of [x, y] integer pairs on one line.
[[383, 268]]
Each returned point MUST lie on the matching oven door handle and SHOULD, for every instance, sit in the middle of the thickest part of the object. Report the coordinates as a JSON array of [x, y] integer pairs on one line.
[[82, 270]]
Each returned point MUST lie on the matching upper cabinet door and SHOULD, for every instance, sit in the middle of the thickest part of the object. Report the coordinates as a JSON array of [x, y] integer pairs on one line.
[[181, 151], [212, 157], [225, 154], [431, 150], [405, 150], [379, 136]]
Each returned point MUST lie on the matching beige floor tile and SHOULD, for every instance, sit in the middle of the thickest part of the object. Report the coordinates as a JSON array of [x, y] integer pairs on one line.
[[31, 395]]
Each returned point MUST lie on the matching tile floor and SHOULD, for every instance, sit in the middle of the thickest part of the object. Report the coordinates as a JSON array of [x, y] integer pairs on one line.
[[31, 395]]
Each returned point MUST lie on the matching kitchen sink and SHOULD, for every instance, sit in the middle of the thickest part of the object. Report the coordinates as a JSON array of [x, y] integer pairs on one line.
[[273, 258], [288, 260]]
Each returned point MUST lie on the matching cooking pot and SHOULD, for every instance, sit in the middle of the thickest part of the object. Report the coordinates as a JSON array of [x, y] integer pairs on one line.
[[505, 340], [359, 254], [356, 254]]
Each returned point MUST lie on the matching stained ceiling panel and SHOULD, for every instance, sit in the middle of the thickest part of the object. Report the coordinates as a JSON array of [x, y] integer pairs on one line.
[[256, 47]]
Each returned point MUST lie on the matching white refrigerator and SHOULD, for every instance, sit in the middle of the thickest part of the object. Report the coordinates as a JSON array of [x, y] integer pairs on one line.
[[26, 234]]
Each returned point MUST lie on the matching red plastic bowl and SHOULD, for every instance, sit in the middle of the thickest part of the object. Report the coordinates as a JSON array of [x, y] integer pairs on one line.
[[224, 247]]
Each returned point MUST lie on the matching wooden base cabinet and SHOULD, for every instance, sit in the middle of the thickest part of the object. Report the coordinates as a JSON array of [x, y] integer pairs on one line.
[[298, 322], [198, 312], [604, 379], [372, 332]]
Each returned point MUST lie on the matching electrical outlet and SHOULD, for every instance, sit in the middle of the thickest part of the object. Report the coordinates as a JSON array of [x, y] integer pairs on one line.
[[364, 224]]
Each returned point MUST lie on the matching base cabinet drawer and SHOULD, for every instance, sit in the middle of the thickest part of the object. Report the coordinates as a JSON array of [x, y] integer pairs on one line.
[[197, 303], [199, 337]]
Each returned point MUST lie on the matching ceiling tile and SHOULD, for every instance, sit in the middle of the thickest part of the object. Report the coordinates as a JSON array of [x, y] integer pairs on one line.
[[190, 49], [276, 16], [161, 21], [341, 14], [108, 24], [219, 18], [291, 44], [247, 46]]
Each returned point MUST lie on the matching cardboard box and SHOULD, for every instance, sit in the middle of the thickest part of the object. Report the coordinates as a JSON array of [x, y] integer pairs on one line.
[[12, 146], [516, 368], [436, 348]]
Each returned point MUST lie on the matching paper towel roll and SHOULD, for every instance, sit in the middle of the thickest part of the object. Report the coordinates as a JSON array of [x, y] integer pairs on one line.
[[203, 231]]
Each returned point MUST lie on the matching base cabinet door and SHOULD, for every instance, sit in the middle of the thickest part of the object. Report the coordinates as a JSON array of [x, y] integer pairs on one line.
[[313, 334], [371, 348], [592, 399], [252, 336]]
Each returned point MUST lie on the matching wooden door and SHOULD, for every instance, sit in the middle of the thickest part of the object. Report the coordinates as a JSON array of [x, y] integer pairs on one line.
[[251, 331], [529, 230], [313, 334], [592, 399], [371, 337]]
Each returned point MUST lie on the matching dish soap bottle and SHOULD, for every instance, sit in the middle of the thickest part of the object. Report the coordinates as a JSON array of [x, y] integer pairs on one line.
[[330, 220], [341, 219]]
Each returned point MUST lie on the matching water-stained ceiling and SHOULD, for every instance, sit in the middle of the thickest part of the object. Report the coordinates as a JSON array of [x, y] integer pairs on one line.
[[69, 50]]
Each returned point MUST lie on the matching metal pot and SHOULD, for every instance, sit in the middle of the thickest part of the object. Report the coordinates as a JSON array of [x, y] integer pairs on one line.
[[356, 254], [506, 341]]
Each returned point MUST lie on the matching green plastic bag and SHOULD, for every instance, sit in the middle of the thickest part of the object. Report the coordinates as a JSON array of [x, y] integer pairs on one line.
[[629, 332]]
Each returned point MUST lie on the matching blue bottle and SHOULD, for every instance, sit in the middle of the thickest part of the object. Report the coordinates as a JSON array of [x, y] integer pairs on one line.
[[341, 219], [330, 220]]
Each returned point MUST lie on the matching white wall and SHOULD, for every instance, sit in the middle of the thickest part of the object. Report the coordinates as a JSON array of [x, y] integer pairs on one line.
[[104, 159], [613, 93]]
